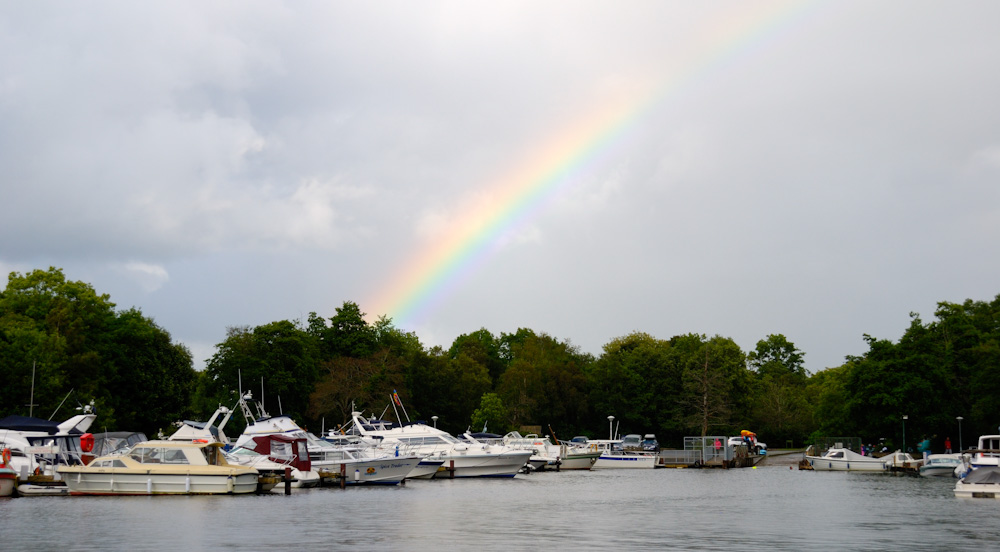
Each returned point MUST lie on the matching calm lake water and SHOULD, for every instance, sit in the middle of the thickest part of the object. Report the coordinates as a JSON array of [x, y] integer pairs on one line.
[[768, 508]]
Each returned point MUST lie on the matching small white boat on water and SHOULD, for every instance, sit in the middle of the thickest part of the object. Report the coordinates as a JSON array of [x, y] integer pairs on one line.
[[842, 459], [161, 468], [981, 482], [940, 465], [625, 459]]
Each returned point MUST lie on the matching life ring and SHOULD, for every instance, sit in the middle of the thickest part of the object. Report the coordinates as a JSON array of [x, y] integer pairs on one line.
[[6, 456]]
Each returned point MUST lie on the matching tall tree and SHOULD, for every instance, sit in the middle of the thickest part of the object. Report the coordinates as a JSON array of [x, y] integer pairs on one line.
[[779, 406]]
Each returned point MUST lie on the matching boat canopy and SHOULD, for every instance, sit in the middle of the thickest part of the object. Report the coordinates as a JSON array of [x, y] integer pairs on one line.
[[985, 475], [27, 423]]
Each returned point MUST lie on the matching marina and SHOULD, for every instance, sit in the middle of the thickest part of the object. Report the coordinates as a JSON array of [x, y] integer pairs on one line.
[[678, 509]]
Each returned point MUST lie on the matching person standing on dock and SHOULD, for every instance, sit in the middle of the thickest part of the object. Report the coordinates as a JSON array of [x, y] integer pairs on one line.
[[947, 445]]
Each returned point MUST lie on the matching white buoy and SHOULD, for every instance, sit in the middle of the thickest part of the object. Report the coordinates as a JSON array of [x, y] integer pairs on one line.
[[357, 475], [149, 486], [187, 484]]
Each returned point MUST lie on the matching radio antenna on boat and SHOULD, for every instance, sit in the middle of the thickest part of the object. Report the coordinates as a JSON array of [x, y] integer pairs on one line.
[[60, 404], [31, 400]]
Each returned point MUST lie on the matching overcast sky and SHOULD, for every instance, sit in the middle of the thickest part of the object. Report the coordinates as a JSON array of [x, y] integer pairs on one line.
[[813, 169]]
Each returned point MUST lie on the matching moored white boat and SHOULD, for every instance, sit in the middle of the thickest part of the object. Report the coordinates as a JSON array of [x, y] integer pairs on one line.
[[625, 459], [161, 468], [842, 459], [940, 465], [983, 482], [562, 456]]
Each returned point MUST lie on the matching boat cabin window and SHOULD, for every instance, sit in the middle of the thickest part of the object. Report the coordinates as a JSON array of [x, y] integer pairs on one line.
[[281, 450], [150, 455], [109, 464], [838, 454], [174, 456], [431, 440]]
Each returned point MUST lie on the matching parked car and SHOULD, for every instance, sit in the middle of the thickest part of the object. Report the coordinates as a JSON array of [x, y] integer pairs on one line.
[[632, 441], [756, 447], [650, 443]]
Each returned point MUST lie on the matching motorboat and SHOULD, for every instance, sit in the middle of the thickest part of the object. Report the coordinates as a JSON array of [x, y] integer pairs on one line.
[[349, 465], [940, 465], [562, 456], [272, 454], [38, 446], [900, 460], [843, 459], [983, 482], [460, 459], [162, 468], [631, 459]]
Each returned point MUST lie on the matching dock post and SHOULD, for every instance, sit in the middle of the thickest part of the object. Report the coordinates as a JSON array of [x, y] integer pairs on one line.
[[288, 480], [451, 468], [343, 476]]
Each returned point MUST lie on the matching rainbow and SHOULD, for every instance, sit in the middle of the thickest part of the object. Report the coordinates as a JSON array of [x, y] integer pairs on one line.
[[429, 277]]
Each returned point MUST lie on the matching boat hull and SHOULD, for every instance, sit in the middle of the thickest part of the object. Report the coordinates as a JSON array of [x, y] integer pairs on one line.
[[383, 471], [426, 469], [136, 482], [625, 461], [483, 465], [972, 490], [579, 461], [8, 480], [820, 463]]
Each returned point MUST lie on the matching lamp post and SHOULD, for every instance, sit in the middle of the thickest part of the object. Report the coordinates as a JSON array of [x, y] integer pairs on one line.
[[959, 418], [611, 428], [435, 420], [905, 417]]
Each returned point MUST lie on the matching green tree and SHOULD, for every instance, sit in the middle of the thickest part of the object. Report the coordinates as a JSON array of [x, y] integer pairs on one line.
[[779, 406], [636, 381], [279, 356], [491, 414], [482, 347]]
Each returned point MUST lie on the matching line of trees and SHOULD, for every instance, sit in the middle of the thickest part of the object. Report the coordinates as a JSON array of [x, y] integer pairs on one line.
[[321, 369]]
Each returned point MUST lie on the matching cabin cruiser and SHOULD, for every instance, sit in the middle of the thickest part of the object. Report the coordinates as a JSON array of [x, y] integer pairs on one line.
[[162, 467], [844, 459], [347, 465], [613, 455], [38, 446], [460, 459]]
